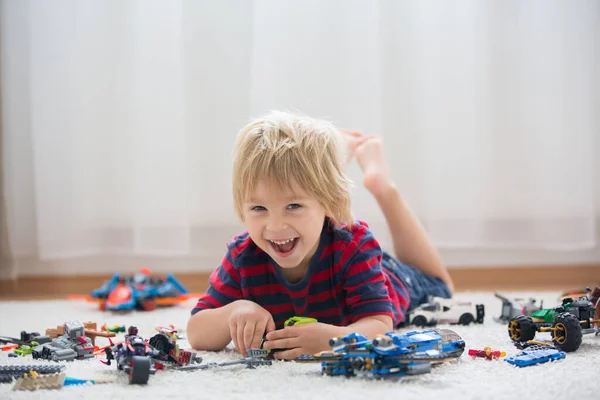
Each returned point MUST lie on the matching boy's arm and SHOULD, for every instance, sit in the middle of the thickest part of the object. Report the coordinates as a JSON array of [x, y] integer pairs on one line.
[[370, 326], [208, 327], [364, 283]]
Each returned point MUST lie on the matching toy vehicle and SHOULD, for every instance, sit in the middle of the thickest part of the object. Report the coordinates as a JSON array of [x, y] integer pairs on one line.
[[392, 354], [535, 355], [445, 311], [133, 356], [70, 346], [140, 291], [165, 341], [514, 307], [566, 323]]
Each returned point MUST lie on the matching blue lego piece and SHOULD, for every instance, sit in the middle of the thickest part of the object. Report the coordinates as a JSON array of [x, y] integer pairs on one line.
[[535, 355], [392, 354]]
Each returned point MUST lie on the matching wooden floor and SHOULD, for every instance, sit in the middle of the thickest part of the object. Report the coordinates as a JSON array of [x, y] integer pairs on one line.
[[551, 278]]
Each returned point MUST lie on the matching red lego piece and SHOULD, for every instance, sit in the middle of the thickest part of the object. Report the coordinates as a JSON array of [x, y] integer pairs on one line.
[[487, 352]]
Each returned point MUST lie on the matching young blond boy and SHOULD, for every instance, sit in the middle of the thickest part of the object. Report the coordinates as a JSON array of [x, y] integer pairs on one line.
[[303, 254]]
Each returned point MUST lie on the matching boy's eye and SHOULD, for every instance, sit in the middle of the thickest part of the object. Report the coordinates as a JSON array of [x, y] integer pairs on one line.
[[258, 208], [293, 206]]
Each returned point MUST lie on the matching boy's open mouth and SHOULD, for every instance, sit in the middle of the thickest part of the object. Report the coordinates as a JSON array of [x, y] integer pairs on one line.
[[284, 247]]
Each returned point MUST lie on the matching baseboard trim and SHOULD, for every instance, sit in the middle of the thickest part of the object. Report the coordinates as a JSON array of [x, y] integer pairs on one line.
[[514, 278]]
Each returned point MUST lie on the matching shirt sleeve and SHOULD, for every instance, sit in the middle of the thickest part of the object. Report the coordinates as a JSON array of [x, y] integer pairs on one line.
[[224, 284], [364, 281]]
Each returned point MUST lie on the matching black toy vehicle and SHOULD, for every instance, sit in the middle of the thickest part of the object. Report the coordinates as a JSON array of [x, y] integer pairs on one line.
[[566, 323], [133, 356]]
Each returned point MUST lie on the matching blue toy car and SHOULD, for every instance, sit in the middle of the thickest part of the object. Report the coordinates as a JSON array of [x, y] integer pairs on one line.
[[392, 354], [535, 355], [140, 291]]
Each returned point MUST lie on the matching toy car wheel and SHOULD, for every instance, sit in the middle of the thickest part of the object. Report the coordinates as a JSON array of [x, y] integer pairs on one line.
[[149, 305], [140, 370], [327, 370], [521, 328], [466, 319], [566, 332], [162, 344], [419, 320]]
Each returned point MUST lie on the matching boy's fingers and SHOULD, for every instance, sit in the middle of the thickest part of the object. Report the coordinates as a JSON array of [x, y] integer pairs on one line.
[[233, 334], [249, 334], [288, 332], [240, 339], [270, 324], [259, 331]]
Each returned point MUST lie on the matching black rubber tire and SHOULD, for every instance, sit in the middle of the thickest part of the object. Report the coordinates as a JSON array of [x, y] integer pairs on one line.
[[571, 328], [140, 370], [327, 370], [521, 328], [419, 321], [466, 319], [161, 343]]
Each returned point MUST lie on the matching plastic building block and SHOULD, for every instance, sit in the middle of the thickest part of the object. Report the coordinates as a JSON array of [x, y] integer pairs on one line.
[[514, 307], [165, 341], [70, 346], [35, 381], [14, 369], [298, 321], [487, 353], [113, 329], [535, 355], [256, 357], [90, 330], [9, 372], [9, 347]]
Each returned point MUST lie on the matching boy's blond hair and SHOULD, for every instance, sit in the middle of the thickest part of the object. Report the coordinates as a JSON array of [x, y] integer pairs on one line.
[[282, 146]]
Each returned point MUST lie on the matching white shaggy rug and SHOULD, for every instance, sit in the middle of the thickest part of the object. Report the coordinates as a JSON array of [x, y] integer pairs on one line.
[[574, 377]]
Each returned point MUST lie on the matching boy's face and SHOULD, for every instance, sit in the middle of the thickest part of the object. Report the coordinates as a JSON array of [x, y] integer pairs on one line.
[[284, 223]]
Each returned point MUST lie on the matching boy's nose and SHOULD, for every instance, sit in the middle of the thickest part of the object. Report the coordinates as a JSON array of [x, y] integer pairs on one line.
[[276, 224]]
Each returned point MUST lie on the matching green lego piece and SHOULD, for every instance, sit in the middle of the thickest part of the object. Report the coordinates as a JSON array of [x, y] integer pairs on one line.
[[298, 321], [289, 322], [25, 350], [547, 314]]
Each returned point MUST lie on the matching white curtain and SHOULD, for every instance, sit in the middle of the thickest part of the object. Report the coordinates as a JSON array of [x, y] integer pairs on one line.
[[119, 117]]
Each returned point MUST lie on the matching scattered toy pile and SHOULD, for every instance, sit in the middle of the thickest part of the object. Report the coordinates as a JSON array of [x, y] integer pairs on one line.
[[387, 356]]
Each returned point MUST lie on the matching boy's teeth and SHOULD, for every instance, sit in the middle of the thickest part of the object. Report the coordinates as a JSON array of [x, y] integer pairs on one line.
[[283, 242]]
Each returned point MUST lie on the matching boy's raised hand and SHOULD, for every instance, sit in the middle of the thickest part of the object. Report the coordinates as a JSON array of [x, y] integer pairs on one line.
[[248, 323], [301, 339]]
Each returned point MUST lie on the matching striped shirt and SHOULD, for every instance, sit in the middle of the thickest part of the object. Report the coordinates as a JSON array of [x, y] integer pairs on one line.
[[345, 281]]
